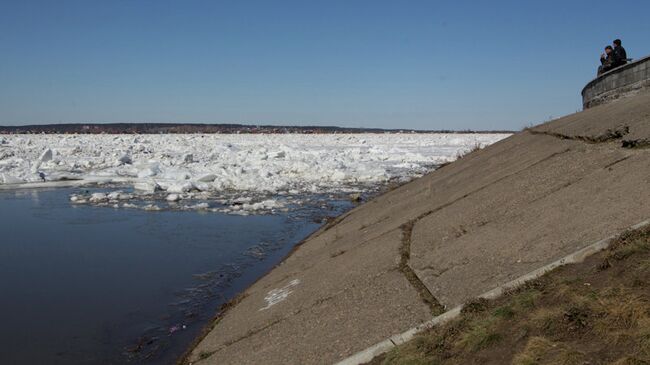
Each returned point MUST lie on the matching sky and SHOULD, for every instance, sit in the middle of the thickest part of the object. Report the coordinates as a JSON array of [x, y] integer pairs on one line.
[[479, 65]]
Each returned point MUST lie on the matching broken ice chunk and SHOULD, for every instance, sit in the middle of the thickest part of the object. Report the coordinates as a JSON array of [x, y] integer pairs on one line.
[[338, 176], [125, 159], [188, 158], [98, 198], [8, 179], [148, 171], [175, 174], [78, 199], [173, 197], [207, 178], [180, 187], [147, 186], [277, 154], [151, 207], [45, 156], [201, 186], [119, 195]]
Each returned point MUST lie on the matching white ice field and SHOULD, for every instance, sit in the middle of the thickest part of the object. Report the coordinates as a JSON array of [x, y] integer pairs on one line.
[[242, 172]]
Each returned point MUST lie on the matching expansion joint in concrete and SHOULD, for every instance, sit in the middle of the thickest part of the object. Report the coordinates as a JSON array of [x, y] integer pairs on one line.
[[608, 136], [405, 254], [407, 231]]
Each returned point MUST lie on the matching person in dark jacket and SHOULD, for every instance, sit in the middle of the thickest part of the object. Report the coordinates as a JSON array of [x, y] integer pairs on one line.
[[620, 56], [606, 60]]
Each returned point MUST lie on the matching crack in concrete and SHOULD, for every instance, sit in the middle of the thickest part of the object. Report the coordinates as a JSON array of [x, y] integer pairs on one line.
[[405, 255], [407, 231], [436, 273], [555, 190], [206, 354], [615, 162], [609, 135]]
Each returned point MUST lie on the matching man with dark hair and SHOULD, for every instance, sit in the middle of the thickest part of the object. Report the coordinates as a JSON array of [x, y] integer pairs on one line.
[[606, 60], [620, 56]]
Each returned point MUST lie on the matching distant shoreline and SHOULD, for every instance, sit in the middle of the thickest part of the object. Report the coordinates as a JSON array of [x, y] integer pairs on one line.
[[184, 128]]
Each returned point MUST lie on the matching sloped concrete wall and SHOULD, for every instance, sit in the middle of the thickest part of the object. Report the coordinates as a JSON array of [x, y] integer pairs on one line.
[[617, 83], [461, 231]]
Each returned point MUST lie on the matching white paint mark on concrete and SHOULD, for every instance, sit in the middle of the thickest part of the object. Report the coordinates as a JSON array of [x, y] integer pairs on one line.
[[275, 296]]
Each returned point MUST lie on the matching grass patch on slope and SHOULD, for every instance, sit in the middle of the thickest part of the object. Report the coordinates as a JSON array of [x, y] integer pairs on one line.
[[595, 312]]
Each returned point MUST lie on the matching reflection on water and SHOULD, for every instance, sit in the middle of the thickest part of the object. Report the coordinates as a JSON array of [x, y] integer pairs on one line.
[[89, 285]]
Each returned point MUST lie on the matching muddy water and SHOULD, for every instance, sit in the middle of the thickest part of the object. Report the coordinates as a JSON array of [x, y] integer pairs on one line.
[[95, 285]]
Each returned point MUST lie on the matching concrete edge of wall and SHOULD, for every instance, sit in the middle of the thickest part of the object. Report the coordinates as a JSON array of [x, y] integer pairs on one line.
[[395, 340], [621, 92], [623, 81]]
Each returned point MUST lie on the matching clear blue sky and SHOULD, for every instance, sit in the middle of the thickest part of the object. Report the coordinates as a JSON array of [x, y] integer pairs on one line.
[[395, 64]]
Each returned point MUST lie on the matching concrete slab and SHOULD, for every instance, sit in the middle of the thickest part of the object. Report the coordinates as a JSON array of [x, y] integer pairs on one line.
[[315, 320]]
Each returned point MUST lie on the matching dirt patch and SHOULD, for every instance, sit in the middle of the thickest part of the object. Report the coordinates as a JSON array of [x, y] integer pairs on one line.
[[595, 312], [636, 143]]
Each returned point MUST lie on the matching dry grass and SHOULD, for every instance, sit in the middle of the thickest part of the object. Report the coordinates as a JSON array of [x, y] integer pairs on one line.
[[540, 350], [476, 147], [596, 312], [480, 334]]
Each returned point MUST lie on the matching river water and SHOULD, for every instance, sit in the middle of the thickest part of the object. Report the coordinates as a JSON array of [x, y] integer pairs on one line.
[[83, 284]]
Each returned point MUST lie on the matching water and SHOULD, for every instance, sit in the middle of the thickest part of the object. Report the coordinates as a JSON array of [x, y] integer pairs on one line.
[[95, 285]]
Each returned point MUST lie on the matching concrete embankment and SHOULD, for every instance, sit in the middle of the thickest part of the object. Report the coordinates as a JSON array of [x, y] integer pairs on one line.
[[438, 241]]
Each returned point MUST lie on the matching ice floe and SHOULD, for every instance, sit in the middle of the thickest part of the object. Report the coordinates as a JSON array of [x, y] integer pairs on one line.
[[264, 169]]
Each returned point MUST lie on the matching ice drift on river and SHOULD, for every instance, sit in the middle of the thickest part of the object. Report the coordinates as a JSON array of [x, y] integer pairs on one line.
[[180, 164]]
